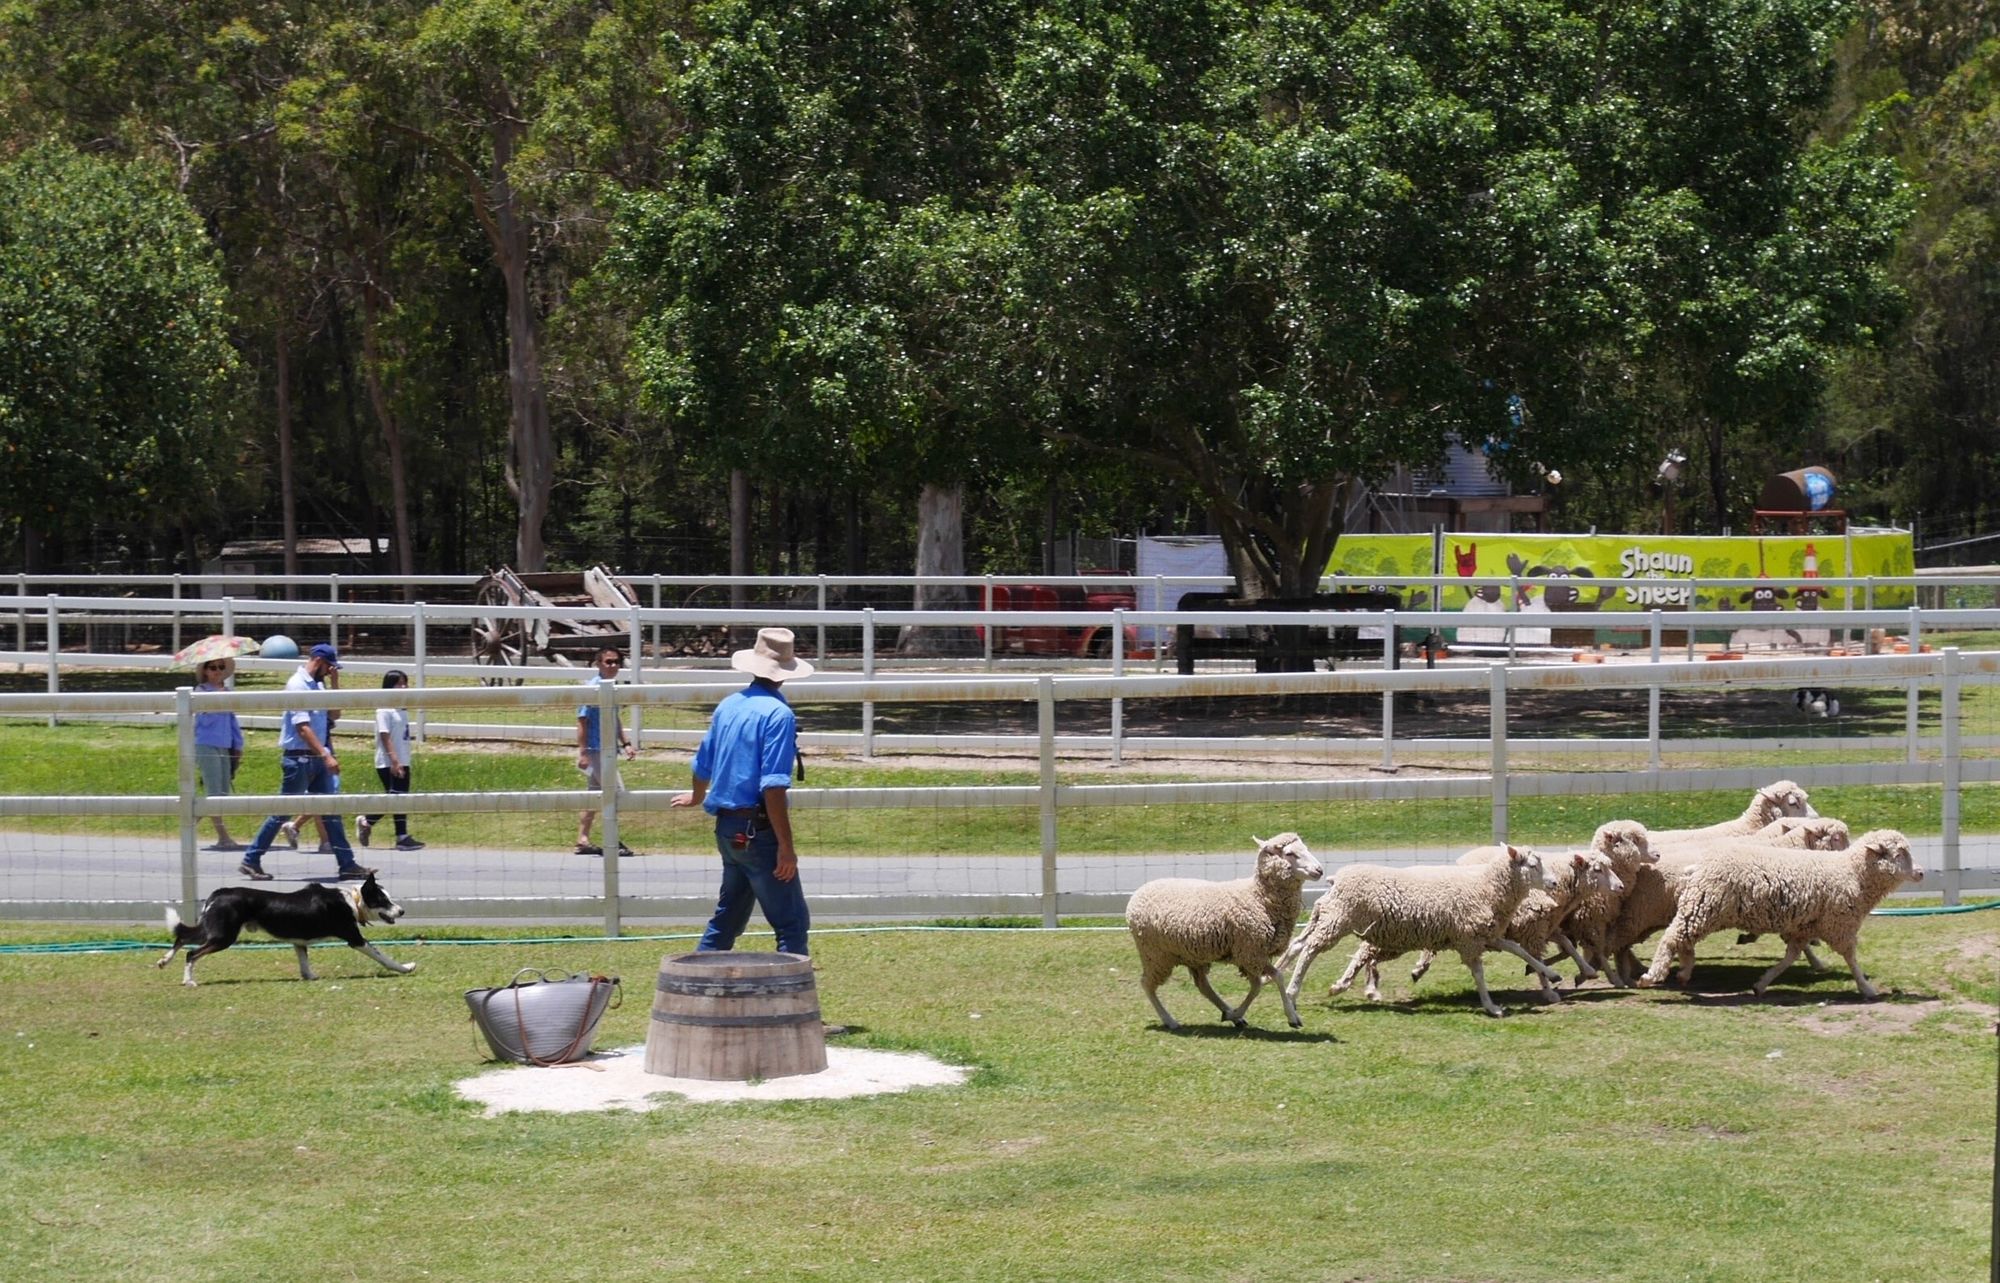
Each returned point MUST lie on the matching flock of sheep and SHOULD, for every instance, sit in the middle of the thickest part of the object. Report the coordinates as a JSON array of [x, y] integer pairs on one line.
[[1779, 868]]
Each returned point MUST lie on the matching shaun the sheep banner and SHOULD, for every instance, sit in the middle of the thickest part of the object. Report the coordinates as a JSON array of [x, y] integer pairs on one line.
[[1571, 574]]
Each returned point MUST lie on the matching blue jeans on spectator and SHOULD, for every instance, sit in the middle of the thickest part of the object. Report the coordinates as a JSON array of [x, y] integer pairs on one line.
[[749, 877], [303, 773]]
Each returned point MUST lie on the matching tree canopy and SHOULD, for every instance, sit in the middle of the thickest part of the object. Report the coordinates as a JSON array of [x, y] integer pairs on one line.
[[115, 362], [522, 279]]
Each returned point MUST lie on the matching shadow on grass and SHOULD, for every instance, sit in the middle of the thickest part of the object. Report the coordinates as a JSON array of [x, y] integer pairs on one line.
[[1253, 1032]]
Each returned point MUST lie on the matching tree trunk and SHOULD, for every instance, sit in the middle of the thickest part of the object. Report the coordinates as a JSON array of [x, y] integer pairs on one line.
[[940, 551], [288, 497], [530, 470], [392, 440]]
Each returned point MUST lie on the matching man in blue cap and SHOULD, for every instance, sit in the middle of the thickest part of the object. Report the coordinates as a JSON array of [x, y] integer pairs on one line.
[[309, 767]]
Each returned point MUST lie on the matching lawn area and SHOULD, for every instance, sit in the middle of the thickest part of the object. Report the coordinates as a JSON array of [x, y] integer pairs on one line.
[[262, 1127]]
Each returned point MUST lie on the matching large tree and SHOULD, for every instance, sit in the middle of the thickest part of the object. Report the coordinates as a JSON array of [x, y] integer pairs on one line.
[[1295, 247], [115, 362]]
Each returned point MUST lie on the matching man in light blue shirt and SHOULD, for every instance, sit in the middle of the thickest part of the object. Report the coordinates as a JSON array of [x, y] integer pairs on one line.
[[309, 767], [741, 772]]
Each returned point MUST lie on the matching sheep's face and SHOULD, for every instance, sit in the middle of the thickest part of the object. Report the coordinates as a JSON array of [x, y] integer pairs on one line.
[[1823, 834], [1625, 840], [1529, 868], [1888, 855], [1287, 856], [1786, 798], [1594, 874]]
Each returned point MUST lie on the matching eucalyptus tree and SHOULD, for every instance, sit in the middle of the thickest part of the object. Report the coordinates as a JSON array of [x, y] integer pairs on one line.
[[817, 268]]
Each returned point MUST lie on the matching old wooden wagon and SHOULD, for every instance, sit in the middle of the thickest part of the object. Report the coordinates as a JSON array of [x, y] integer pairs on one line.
[[602, 603]]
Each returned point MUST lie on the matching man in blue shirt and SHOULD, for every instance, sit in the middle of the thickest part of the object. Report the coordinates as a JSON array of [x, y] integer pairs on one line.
[[309, 767], [741, 772]]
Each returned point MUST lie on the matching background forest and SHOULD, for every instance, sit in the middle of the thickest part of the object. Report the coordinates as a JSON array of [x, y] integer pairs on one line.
[[550, 282]]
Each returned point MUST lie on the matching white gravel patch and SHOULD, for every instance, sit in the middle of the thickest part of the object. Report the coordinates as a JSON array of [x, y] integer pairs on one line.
[[618, 1079]]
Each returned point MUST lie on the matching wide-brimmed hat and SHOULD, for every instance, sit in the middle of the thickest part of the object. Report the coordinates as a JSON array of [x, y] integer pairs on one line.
[[771, 658]]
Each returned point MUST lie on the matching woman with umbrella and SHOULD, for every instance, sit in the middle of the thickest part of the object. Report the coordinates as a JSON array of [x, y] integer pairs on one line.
[[218, 737]]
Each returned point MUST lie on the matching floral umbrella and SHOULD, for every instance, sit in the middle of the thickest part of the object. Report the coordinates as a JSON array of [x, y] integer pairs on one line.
[[218, 646]]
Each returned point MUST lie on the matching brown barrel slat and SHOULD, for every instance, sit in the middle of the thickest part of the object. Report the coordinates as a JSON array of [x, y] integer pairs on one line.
[[732, 1017]]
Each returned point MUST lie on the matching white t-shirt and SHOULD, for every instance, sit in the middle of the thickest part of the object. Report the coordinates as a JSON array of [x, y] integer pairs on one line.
[[394, 723]]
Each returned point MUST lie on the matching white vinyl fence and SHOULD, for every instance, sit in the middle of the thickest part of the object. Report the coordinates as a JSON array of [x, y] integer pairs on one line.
[[52, 867]]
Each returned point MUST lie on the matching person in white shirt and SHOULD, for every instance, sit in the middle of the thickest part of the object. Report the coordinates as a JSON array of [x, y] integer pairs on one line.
[[393, 743]]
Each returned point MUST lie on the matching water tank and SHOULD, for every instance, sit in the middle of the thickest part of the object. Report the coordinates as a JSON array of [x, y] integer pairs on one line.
[[1806, 490]]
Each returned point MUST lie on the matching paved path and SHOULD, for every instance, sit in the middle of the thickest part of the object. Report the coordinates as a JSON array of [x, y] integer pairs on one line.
[[83, 868]]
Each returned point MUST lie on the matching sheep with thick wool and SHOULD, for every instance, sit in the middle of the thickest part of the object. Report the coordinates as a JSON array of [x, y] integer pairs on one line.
[[1798, 896], [1536, 920], [1465, 908], [1195, 923], [1653, 895], [1629, 848], [1768, 804]]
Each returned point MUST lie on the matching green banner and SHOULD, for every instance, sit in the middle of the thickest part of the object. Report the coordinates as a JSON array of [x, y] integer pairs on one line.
[[1579, 574]]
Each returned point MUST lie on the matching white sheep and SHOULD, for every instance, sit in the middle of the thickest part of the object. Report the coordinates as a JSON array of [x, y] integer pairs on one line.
[[1465, 908], [1195, 923], [1654, 892], [1629, 848], [1798, 896], [1768, 804], [1535, 922]]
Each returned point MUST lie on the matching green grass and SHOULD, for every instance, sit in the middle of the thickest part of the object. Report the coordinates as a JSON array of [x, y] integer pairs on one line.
[[258, 1124]]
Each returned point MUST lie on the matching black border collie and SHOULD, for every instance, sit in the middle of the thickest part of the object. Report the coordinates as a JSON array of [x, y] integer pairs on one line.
[[316, 912]]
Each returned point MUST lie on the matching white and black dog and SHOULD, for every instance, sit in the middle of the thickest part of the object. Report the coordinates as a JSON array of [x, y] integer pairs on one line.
[[317, 912]]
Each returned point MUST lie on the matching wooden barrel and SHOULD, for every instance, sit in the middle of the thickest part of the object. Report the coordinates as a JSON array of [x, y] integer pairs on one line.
[[735, 1016]]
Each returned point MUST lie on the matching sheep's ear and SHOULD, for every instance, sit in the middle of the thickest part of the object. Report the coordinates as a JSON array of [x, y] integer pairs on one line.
[[1256, 841], [1577, 861], [1514, 855]]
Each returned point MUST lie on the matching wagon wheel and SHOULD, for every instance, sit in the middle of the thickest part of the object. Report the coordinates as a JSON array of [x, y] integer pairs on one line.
[[496, 639]]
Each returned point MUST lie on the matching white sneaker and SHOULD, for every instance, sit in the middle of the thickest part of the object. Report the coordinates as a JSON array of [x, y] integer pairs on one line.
[[290, 832], [362, 828]]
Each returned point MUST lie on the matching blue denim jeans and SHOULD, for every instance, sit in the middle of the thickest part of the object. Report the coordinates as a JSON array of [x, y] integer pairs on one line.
[[749, 876], [302, 775]]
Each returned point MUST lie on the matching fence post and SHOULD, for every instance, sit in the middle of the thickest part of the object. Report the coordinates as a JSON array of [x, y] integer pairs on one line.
[[1653, 698], [1388, 693], [184, 786], [1498, 725], [656, 619], [420, 643], [1916, 688], [638, 674], [986, 630], [819, 653], [867, 675], [333, 620], [54, 643], [1159, 630], [1118, 670], [1948, 701], [1045, 727], [229, 619], [1513, 609], [607, 802], [177, 612], [21, 620]]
